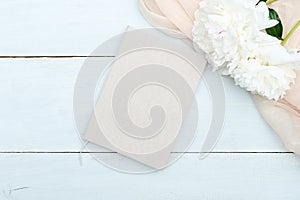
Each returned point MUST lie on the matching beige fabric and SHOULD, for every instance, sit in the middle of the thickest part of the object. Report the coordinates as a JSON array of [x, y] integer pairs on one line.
[[154, 16], [282, 116], [177, 15]]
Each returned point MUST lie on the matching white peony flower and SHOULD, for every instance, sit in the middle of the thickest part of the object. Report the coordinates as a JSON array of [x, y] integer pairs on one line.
[[230, 32], [222, 29], [265, 80], [268, 70]]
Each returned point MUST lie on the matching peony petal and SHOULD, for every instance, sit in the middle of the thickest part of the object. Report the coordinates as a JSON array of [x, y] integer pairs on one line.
[[284, 116]]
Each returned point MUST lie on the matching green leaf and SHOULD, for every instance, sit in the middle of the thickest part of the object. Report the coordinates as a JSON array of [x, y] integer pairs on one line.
[[261, 1], [277, 30]]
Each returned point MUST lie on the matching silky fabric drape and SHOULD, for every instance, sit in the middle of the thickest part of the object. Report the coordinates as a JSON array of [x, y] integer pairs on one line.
[[284, 115]]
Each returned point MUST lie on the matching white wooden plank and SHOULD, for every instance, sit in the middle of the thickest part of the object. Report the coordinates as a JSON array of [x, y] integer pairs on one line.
[[36, 110], [63, 27], [220, 176]]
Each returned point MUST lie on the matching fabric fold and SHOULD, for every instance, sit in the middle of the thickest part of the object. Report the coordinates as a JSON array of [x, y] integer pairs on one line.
[[190, 7], [177, 15], [153, 15], [283, 116], [283, 119]]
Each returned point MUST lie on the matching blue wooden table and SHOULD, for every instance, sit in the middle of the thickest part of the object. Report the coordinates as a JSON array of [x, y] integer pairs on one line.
[[42, 47]]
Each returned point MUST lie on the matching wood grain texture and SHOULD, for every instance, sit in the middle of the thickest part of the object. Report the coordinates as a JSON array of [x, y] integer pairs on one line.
[[37, 114], [39, 142], [229, 176], [68, 27]]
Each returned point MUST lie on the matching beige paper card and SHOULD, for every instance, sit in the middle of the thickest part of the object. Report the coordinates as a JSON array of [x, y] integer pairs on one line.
[[146, 97]]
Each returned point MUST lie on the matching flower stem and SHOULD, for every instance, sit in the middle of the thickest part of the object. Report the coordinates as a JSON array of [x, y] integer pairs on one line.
[[269, 2], [289, 35]]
